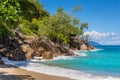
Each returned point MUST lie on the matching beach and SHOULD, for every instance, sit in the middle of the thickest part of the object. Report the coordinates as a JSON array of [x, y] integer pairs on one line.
[[9, 72], [87, 66], [83, 69]]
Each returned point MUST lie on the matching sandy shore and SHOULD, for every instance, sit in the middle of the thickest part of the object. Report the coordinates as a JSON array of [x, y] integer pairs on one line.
[[8, 72]]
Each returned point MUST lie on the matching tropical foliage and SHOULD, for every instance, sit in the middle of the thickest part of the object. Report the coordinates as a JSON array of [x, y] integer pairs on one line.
[[31, 19]]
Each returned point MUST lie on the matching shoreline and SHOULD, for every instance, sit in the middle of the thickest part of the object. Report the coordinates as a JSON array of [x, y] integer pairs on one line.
[[10, 72], [35, 69]]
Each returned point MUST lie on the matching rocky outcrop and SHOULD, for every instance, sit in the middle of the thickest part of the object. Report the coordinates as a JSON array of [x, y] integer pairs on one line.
[[80, 44], [47, 49], [22, 48]]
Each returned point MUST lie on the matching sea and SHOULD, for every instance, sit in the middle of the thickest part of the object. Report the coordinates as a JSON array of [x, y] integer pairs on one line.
[[103, 63]]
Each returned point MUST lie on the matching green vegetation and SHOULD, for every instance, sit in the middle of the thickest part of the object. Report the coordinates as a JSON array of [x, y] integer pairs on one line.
[[31, 19]]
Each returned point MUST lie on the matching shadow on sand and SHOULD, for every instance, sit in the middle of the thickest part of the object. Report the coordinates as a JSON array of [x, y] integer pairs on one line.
[[5, 76]]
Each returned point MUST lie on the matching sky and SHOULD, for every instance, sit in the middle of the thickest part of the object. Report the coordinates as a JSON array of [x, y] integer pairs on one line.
[[103, 17]]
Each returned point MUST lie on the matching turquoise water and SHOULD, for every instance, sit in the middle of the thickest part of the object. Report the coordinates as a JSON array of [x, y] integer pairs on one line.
[[105, 60]]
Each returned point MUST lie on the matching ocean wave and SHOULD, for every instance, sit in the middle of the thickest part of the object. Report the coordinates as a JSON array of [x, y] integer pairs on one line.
[[84, 51], [50, 70], [79, 53], [38, 59], [63, 57], [95, 50]]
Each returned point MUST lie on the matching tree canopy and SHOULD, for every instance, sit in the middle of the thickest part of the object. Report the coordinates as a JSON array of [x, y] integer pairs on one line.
[[31, 19]]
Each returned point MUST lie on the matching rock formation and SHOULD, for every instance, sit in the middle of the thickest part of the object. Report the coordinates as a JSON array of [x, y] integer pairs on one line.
[[45, 48], [21, 48], [80, 44], [10, 48]]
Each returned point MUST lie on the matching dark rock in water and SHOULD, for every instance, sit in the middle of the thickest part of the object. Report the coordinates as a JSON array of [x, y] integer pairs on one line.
[[1, 62]]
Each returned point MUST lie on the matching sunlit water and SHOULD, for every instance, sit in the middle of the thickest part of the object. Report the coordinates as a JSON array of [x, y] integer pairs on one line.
[[105, 60]]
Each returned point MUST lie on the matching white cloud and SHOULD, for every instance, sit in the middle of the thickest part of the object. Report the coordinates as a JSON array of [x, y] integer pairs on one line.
[[104, 38]]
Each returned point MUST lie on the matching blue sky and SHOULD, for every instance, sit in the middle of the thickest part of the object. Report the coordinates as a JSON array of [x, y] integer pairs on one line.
[[103, 16]]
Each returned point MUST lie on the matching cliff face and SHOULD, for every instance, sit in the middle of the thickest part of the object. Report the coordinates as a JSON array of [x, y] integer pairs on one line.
[[21, 48]]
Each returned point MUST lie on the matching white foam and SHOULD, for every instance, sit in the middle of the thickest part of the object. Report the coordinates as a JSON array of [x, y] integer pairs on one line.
[[50, 70], [38, 59], [79, 53], [95, 50], [63, 57]]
